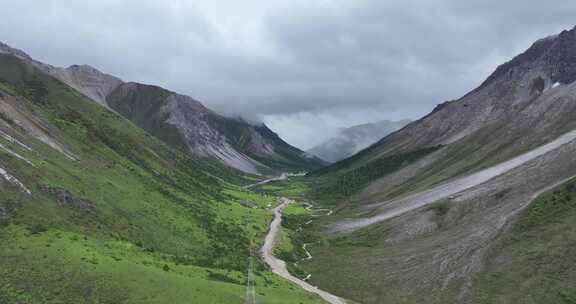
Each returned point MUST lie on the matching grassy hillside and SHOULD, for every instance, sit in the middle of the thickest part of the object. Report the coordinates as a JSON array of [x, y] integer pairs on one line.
[[334, 184], [114, 215]]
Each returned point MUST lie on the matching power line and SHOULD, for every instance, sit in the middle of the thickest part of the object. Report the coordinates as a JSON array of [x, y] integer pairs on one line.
[[250, 281]]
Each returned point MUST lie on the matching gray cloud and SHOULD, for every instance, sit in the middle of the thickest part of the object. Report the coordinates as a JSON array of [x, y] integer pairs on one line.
[[304, 67]]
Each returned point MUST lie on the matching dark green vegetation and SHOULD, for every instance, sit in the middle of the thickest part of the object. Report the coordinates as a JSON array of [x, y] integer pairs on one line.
[[338, 260], [296, 188], [536, 261], [297, 230], [336, 183], [440, 208], [114, 214], [298, 222]]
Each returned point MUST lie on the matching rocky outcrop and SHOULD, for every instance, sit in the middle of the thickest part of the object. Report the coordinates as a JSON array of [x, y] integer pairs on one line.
[[85, 79], [88, 81]]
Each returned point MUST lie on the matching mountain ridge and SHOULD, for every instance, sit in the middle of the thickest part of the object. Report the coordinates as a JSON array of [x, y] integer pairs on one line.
[[436, 251], [95, 209], [184, 122], [355, 138], [489, 103]]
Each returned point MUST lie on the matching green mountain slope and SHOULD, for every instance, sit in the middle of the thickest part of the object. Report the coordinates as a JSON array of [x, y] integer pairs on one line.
[[96, 210]]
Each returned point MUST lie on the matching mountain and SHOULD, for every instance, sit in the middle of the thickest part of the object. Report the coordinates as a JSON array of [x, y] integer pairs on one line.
[[351, 140], [456, 206], [94, 209], [183, 122]]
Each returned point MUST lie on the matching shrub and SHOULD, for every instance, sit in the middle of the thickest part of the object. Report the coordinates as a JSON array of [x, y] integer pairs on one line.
[[440, 209], [37, 229]]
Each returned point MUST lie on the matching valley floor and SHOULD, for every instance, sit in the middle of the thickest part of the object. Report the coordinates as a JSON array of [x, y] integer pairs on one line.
[[279, 266]]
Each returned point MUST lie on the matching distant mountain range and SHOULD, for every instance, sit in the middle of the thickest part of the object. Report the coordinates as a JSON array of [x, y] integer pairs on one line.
[[351, 140], [182, 121]]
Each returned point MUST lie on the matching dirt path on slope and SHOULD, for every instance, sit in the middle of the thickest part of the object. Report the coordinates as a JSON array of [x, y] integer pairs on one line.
[[418, 200], [283, 176]]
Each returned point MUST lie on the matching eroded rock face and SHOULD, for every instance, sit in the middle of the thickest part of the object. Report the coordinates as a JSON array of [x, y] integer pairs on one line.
[[192, 120], [195, 124], [15, 118], [84, 78], [88, 81], [183, 121]]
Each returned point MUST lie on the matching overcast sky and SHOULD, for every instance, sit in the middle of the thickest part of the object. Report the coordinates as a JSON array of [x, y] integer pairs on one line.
[[305, 67]]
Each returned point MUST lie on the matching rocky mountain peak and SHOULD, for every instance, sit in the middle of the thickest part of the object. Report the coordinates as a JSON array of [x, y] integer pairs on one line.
[[87, 80], [544, 69], [86, 69], [554, 57], [84, 78], [6, 49]]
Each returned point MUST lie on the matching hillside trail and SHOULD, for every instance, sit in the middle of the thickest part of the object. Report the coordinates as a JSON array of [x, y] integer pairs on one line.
[[420, 199], [267, 251], [281, 177], [279, 266]]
